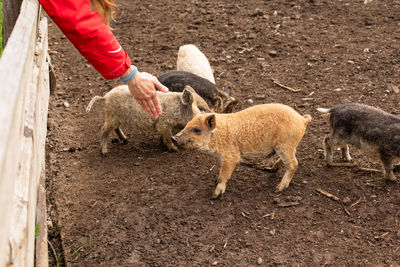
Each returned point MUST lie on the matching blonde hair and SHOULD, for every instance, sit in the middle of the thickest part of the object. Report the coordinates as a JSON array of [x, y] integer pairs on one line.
[[106, 8]]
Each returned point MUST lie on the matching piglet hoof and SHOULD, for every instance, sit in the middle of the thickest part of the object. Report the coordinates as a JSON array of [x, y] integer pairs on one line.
[[103, 153], [276, 191], [215, 196]]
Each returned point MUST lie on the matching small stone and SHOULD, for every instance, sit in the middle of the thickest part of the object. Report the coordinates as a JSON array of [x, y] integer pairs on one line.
[[259, 261], [366, 50], [294, 198], [350, 61], [215, 263], [66, 104], [60, 92], [393, 88], [250, 101], [272, 53], [260, 97], [272, 232], [257, 12]]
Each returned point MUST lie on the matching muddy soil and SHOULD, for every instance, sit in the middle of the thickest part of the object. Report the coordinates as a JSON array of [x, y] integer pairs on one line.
[[143, 206]]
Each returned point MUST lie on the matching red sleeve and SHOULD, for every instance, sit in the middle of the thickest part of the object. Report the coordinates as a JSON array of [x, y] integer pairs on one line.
[[87, 32]]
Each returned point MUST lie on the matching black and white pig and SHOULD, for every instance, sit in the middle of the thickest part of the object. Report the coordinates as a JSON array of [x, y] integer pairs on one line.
[[374, 132], [219, 101]]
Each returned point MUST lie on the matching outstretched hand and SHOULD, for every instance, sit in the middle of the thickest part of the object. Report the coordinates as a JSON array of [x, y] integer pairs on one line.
[[143, 88]]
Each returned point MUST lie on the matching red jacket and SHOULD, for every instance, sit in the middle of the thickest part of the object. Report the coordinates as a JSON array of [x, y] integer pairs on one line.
[[87, 32]]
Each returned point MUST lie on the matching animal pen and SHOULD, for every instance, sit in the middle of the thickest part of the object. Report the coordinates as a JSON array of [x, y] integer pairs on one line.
[[24, 96]]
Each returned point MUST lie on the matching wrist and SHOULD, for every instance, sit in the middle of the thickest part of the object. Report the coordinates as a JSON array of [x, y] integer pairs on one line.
[[129, 74]]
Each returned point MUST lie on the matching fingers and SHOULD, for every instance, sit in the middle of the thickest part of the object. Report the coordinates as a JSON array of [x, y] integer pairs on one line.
[[157, 105], [143, 105], [151, 106], [143, 89], [160, 87]]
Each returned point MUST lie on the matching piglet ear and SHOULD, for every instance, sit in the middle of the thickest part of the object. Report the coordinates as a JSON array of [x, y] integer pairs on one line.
[[230, 104], [228, 90], [195, 109], [210, 121], [187, 95]]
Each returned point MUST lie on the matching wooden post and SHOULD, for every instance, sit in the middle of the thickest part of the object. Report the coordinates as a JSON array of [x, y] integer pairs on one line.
[[11, 9], [23, 115]]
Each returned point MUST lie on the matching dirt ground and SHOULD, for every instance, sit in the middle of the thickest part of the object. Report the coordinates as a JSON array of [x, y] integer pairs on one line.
[[143, 206]]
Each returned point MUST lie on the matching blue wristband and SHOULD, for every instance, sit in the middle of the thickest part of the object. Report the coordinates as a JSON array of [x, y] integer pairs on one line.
[[130, 77]]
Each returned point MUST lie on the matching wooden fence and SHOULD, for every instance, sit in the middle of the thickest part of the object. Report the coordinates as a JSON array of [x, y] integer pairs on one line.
[[24, 96]]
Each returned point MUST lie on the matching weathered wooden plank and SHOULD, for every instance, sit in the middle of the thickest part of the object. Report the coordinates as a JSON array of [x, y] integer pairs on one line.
[[31, 168], [43, 92], [16, 65]]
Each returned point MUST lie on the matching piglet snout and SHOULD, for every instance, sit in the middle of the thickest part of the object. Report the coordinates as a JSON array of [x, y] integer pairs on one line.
[[174, 140]]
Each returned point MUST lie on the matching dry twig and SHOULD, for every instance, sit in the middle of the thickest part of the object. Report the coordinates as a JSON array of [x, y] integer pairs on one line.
[[356, 203], [54, 252], [245, 215], [284, 87], [211, 168], [368, 169], [212, 248], [319, 190], [329, 195], [272, 215]]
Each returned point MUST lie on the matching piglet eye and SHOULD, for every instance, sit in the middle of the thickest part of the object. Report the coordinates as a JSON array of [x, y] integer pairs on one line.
[[201, 108], [196, 131]]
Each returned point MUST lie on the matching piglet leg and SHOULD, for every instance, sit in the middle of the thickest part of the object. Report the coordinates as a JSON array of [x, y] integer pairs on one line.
[[104, 134], [288, 157], [166, 135], [331, 142], [227, 166], [121, 135], [387, 164], [346, 153]]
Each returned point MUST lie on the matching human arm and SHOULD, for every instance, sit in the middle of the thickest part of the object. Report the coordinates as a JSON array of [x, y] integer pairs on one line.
[[95, 41]]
